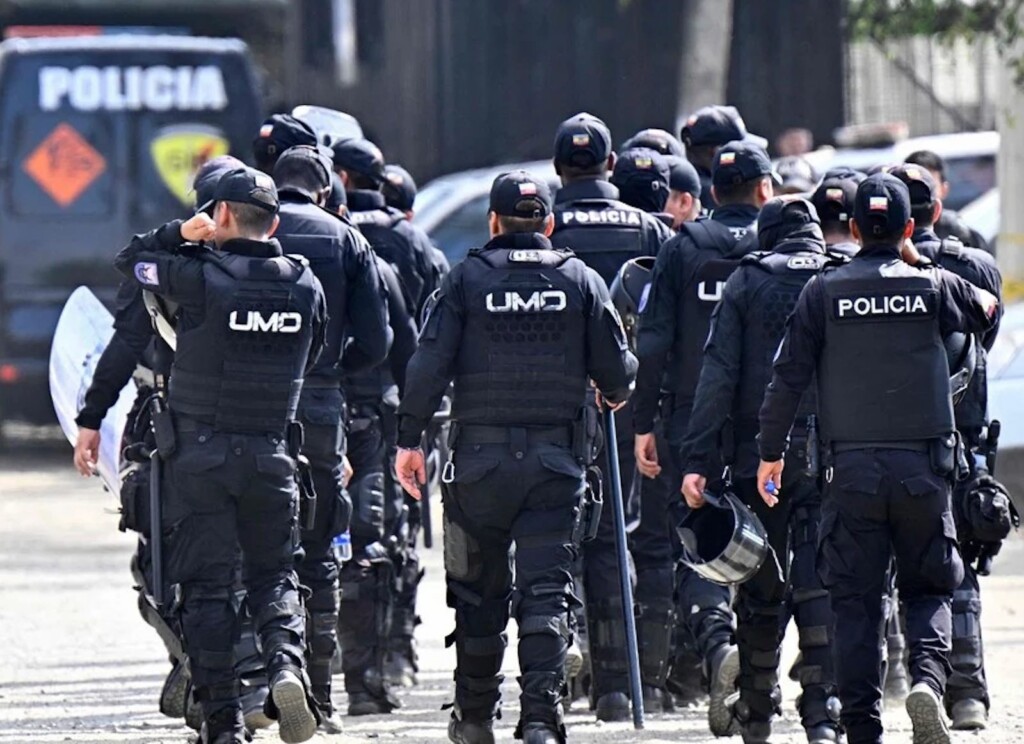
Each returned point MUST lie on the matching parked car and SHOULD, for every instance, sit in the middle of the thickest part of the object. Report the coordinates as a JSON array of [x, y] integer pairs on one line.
[[982, 215], [452, 209], [970, 160]]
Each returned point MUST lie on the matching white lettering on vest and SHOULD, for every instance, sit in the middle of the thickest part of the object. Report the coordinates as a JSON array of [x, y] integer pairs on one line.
[[881, 305], [710, 296], [255, 322], [156, 88], [548, 301], [602, 217]]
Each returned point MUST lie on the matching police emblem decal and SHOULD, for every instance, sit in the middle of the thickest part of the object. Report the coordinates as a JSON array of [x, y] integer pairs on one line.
[[146, 273]]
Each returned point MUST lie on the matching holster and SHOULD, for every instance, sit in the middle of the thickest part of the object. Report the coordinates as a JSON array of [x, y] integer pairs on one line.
[[586, 435], [164, 436], [294, 437], [945, 455], [591, 505]]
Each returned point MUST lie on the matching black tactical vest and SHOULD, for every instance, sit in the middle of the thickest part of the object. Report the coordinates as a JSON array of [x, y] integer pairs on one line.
[[603, 233], [241, 368], [883, 374], [773, 285], [716, 252], [522, 360], [380, 227]]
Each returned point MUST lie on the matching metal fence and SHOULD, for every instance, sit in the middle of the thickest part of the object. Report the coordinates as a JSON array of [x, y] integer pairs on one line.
[[935, 87]]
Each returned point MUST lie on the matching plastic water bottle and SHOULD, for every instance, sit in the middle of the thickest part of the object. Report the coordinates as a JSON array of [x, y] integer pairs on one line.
[[343, 544]]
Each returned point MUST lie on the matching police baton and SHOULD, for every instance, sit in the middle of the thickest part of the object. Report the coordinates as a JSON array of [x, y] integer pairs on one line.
[[156, 542], [426, 520], [619, 515]]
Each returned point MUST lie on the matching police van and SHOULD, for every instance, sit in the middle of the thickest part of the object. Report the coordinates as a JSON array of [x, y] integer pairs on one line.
[[99, 139]]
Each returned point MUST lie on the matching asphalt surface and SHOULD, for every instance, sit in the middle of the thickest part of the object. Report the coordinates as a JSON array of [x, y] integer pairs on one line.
[[78, 664]]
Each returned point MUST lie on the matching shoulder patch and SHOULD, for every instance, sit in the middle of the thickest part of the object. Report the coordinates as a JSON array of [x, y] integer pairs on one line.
[[146, 272]]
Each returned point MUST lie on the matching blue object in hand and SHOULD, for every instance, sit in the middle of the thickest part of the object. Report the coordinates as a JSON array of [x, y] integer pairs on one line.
[[770, 487]]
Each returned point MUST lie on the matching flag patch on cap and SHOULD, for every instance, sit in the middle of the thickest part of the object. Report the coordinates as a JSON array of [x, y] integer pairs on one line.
[[580, 140], [834, 194], [913, 173], [728, 158], [266, 130], [146, 273], [878, 203], [644, 162], [527, 189]]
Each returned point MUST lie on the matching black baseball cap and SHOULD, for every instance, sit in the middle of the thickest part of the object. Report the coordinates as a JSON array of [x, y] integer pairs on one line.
[[399, 188], [518, 194], [739, 162], [359, 156], [789, 210], [655, 139], [245, 186], [316, 159], [682, 176], [277, 134], [207, 176], [882, 205], [642, 177], [797, 174], [919, 182], [717, 125], [582, 141], [846, 173], [834, 198]]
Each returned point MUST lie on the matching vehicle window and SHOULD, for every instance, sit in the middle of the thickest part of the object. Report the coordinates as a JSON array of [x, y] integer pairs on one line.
[[463, 229], [1006, 360], [969, 178]]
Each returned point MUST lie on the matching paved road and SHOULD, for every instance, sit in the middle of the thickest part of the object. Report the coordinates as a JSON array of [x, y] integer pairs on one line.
[[77, 664]]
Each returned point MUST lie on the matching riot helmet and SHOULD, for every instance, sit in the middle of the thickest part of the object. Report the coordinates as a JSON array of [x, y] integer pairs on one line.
[[629, 292], [723, 541], [962, 355]]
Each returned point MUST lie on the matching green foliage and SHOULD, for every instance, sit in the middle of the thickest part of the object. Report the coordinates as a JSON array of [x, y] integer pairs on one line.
[[947, 20]]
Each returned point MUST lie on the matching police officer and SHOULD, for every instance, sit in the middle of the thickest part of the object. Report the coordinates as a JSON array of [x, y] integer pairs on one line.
[[746, 328], [250, 325], [948, 224], [604, 233], [871, 332], [133, 344], [684, 190], [278, 133], [357, 338], [967, 699], [796, 174], [687, 282], [655, 139], [374, 581], [705, 131], [401, 663], [833, 200], [394, 238], [520, 326], [642, 177]]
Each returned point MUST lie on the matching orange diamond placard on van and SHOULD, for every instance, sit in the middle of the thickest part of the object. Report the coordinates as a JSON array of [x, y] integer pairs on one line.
[[64, 164]]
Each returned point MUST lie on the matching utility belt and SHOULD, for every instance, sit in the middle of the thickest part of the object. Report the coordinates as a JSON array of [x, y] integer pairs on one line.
[[321, 383], [946, 453]]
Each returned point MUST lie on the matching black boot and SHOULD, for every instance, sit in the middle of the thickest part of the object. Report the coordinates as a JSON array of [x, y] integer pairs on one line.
[[224, 727], [470, 732], [540, 733], [294, 713], [612, 706], [723, 669]]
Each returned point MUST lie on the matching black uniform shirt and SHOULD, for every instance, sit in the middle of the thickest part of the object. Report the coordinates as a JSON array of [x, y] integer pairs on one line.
[[797, 360], [357, 329]]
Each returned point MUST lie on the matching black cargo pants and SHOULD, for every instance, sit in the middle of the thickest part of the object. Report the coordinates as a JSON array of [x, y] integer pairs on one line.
[[880, 504], [223, 492], [322, 414], [511, 486]]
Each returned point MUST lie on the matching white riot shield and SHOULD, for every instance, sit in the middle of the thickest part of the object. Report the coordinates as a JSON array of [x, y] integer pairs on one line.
[[83, 332]]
